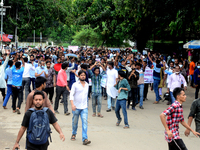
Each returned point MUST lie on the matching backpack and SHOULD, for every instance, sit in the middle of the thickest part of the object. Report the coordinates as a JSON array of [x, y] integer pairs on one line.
[[39, 128]]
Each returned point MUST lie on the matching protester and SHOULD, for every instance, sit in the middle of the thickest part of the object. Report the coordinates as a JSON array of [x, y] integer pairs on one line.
[[123, 88], [196, 77], [112, 75], [40, 83], [33, 140], [96, 88], [41, 70], [191, 71], [79, 104], [174, 115], [62, 89]]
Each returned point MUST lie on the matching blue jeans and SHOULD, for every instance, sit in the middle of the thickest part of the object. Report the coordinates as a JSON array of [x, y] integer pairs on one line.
[[9, 93], [96, 99], [110, 101], [84, 117], [172, 97], [155, 88], [121, 104], [141, 93], [32, 80]]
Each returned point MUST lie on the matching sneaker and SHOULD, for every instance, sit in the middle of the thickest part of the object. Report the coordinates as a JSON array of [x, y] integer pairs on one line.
[[56, 112], [61, 101], [18, 111], [133, 108], [141, 107], [108, 110], [67, 113], [86, 142], [113, 108]]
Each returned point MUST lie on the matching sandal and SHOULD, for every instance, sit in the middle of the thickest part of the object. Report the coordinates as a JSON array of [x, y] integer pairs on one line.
[[86, 142], [126, 126], [118, 122], [156, 102], [94, 115], [4, 107], [99, 115], [73, 138]]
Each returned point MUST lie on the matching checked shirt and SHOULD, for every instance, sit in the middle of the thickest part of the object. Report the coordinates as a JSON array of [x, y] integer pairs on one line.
[[174, 115]]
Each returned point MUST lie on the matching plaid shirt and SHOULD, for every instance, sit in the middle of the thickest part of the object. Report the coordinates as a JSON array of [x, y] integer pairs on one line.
[[174, 115], [96, 81]]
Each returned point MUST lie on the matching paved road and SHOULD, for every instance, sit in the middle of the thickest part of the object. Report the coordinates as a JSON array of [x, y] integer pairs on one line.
[[146, 131]]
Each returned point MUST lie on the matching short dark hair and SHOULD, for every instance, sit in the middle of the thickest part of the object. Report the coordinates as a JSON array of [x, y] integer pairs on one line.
[[38, 93], [111, 63], [65, 65], [80, 72], [138, 64], [84, 66], [10, 63], [58, 58], [25, 59], [18, 64], [39, 81], [32, 56], [96, 68], [198, 63], [177, 91], [48, 62], [122, 73]]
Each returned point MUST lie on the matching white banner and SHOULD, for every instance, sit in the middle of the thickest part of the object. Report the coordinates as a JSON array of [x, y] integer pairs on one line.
[[103, 80], [73, 48], [148, 76]]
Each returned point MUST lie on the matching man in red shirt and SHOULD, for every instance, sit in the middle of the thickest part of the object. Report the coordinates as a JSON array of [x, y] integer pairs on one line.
[[57, 66], [62, 89], [175, 115]]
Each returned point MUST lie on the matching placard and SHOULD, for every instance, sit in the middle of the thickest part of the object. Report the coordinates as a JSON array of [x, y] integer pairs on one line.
[[103, 80], [73, 48], [148, 76]]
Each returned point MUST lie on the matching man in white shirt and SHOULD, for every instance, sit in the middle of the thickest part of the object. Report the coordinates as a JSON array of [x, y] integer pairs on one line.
[[112, 93], [79, 104], [26, 77]]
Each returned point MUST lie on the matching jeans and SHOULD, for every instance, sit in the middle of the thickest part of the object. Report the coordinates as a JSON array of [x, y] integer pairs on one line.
[[110, 101], [32, 80], [134, 97], [96, 99], [121, 104], [17, 93], [192, 80], [146, 86], [84, 117], [155, 88], [197, 91], [61, 91], [9, 93], [89, 91], [50, 91], [26, 84], [172, 97], [177, 144], [141, 92]]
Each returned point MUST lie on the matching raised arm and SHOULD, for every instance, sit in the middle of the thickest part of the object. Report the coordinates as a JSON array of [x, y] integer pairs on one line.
[[150, 57]]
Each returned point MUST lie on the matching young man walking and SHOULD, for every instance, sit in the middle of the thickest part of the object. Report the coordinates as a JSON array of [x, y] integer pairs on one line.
[[174, 116], [79, 104], [32, 142], [96, 88], [62, 89], [123, 88]]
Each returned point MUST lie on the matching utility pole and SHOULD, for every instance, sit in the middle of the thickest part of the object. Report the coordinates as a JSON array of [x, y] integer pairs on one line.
[[16, 38], [34, 33], [3, 9]]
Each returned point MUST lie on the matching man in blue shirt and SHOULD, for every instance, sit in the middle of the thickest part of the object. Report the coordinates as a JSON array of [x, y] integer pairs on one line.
[[197, 80], [41, 70], [8, 78], [17, 72]]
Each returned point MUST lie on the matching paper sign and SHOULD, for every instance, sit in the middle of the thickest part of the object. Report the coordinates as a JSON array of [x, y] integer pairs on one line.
[[148, 76], [103, 80], [73, 48]]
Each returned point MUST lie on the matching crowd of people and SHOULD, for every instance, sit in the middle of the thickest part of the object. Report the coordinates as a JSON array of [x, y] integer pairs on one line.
[[35, 75]]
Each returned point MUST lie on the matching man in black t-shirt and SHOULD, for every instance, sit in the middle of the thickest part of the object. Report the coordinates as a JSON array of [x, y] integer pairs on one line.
[[38, 100]]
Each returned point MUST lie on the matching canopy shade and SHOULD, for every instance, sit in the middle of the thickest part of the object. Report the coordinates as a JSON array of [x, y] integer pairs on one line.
[[195, 44]]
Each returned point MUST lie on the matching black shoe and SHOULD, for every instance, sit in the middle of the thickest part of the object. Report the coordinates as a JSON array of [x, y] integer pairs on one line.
[[136, 103], [141, 107], [18, 111], [108, 110], [62, 101], [113, 108], [67, 113], [86, 142]]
